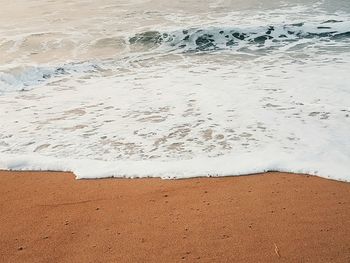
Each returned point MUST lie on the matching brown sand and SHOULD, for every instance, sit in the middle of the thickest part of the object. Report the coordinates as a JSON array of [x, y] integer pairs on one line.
[[274, 217]]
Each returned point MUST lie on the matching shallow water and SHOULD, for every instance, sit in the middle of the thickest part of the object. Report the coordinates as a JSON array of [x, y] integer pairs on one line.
[[181, 89]]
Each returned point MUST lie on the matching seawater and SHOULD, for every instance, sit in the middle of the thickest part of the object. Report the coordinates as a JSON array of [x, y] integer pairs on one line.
[[175, 90]]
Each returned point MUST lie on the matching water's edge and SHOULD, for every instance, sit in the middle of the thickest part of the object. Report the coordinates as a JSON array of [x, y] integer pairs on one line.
[[246, 164]]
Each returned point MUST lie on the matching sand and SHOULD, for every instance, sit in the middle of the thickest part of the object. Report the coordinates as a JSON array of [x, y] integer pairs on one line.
[[273, 217]]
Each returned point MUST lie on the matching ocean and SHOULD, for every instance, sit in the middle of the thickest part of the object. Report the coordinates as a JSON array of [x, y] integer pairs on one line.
[[175, 89]]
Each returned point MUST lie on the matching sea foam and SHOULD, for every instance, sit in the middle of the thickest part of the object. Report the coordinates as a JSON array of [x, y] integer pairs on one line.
[[244, 164], [180, 99]]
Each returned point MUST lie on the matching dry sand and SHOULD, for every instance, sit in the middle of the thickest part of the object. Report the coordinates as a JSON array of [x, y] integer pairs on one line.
[[273, 217]]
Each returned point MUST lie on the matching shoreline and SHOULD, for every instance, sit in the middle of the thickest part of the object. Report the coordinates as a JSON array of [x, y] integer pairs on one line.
[[114, 177], [223, 166], [270, 217]]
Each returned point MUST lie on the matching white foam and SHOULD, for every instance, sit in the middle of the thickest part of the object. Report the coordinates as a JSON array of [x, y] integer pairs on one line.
[[24, 78], [243, 164], [164, 114]]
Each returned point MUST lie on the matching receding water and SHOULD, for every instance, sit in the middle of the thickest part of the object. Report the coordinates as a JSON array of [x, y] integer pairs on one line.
[[181, 89]]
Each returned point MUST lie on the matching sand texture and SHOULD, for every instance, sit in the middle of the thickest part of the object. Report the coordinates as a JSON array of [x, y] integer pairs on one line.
[[273, 217]]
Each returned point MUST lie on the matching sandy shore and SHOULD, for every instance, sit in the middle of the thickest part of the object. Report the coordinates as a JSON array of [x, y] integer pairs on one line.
[[274, 217]]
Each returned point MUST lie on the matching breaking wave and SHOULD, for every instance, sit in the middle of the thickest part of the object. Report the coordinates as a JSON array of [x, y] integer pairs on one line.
[[270, 37], [24, 78], [218, 38]]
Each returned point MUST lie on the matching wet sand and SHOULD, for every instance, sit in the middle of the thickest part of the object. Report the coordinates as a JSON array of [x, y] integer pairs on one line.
[[273, 217]]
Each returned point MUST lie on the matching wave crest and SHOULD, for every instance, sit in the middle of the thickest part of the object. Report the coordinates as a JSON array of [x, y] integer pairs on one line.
[[218, 38]]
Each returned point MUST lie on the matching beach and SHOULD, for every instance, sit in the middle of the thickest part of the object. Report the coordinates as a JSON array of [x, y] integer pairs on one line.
[[160, 120], [272, 217]]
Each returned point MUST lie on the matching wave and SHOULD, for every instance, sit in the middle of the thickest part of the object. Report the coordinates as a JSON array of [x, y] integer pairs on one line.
[[209, 39], [23, 78], [218, 38]]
